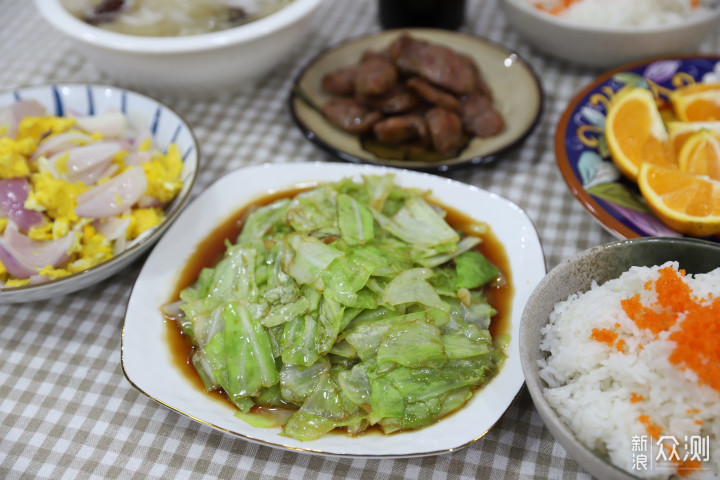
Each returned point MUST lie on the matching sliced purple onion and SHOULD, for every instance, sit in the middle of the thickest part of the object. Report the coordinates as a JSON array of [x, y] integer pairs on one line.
[[24, 256], [15, 267], [112, 228], [60, 143], [136, 158], [11, 115], [113, 197], [27, 108], [13, 193], [95, 174], [109, 124], [133, 141], [86, 163]]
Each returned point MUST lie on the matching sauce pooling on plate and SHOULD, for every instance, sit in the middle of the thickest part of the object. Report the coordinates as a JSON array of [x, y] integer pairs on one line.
[[336, 327]]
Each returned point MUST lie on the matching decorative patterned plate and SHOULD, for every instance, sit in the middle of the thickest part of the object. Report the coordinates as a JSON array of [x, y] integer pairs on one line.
[[516, 91], [582, 153]]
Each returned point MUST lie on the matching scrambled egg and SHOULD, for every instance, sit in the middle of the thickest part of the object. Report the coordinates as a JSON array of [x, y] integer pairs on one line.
[[13, 157], [142, 219], [56, 198], [163, 174], [37, 128]]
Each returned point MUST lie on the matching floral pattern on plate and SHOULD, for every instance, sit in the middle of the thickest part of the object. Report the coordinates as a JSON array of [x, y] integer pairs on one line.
[[582, 152]]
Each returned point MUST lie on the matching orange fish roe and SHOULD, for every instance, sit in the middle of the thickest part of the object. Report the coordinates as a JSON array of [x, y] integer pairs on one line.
[[696, 346], [672, 292], [604, 335], [645, 317], [635, 398], [607, 336], [652, 429], [557, 10]]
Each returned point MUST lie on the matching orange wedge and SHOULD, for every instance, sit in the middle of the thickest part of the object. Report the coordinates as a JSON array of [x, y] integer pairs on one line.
[[679, 132], [635, 132], [699, 102], [685, 202], [700, 155]]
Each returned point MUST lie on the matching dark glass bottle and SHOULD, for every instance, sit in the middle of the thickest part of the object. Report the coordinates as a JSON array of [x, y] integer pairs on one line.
[[448, 14]]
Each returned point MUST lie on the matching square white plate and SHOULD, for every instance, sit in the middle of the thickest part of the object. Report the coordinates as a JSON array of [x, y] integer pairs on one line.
[[146, 355]]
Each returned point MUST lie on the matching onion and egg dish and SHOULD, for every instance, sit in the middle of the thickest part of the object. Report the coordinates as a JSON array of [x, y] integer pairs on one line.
[[76, 190]]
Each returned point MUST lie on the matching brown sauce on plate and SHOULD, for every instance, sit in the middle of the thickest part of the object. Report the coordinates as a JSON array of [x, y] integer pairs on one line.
[[212, 248]]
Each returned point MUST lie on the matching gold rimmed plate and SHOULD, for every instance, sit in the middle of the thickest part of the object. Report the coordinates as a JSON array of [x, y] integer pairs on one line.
[[516, 90], [147, 354]]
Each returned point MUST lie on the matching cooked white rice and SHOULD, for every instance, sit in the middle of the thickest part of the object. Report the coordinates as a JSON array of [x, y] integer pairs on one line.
[[628, 13], [590, 382]]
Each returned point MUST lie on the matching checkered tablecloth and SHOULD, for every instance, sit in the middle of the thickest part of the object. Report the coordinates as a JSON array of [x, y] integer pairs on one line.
[[67, 411]]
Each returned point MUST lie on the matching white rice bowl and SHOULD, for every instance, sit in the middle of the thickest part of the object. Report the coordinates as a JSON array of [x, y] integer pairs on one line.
[[624, 13], [590, 383]]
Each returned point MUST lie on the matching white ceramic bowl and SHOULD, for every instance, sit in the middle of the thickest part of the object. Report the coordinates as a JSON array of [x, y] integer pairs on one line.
[[166, 127], [147, 357], [601, 45], [576, 274], [198, 65]]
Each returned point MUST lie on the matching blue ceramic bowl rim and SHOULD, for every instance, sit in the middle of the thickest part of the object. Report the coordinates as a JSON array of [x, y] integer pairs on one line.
[[54, 95]]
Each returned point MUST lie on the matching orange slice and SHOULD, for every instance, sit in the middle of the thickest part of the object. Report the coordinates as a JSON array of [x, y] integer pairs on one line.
[[699, 102], [700, 155], [635, 132], [679, 132], [685, 202]]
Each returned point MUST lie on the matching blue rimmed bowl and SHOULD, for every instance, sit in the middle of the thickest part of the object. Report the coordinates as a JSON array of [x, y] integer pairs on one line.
[[164, 125]]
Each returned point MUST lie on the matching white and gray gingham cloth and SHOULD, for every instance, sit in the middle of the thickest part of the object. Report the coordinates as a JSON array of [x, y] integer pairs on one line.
[[67, 411]]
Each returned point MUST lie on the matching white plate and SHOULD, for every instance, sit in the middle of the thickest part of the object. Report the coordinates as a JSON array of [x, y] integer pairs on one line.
[[166, 127], [146, 356]]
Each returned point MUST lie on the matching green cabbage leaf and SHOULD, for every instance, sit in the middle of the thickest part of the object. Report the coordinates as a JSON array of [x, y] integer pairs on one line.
[[352, 304]]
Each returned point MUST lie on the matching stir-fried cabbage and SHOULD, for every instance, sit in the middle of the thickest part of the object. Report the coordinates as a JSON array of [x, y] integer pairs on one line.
[[349, 305]]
